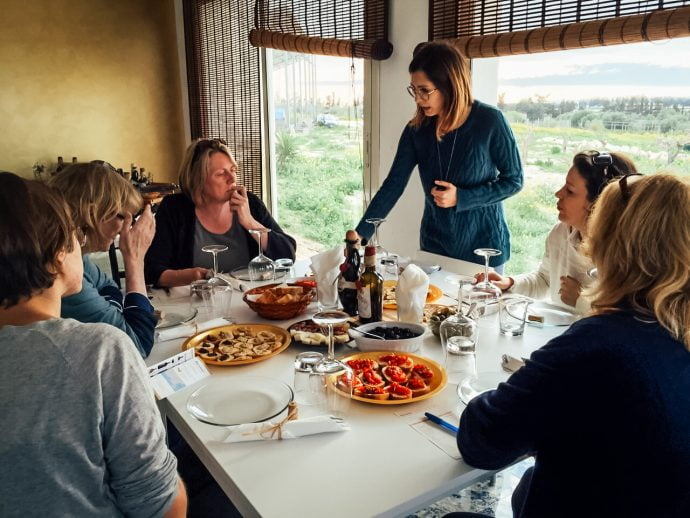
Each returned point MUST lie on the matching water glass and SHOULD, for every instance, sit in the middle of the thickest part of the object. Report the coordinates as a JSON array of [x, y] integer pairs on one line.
[[284, 268], [512, 314], [327, 296], [304, 366], [459, 341], [221, 301], [389, 267]]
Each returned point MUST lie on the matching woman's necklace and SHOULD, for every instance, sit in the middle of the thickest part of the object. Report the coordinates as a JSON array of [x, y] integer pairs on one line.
[[444, 177]]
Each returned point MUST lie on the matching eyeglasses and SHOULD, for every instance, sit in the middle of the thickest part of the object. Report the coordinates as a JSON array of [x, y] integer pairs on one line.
[[208, 143], [423, 93], [623, 184]]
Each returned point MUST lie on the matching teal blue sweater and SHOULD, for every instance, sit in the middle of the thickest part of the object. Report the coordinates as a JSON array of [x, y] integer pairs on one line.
[[485, 168]]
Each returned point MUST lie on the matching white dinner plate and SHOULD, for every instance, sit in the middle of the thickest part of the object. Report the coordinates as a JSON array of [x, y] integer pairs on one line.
[[175, 318], [551, 314], [225, 401], [241, 273], [470, 388]]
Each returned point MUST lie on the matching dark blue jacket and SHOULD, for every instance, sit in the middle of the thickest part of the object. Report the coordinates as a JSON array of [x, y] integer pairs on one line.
[[605, 408], [485, 167]]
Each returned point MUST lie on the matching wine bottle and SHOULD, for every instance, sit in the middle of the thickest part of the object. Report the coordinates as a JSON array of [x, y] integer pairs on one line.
[[349, 274], [370, 289]]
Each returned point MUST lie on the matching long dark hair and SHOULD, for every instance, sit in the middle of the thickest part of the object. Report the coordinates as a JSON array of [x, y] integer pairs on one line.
[[450, 72], [599, 168]]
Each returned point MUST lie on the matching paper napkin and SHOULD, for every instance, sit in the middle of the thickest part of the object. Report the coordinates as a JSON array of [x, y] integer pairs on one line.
[[286, 429], [326, 268], [410, 294], [190, 329]]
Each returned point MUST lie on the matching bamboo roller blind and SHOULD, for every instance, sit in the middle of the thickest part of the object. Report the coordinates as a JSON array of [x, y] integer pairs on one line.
[[348, 28], [223, 76], [489, 28]]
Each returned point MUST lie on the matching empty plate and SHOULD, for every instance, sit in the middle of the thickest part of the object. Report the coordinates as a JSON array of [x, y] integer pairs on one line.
[[177, 317], [470, 388], [545, 314], [225, 401]]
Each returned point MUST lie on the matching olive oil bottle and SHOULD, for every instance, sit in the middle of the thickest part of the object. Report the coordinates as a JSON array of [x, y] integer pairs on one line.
[[370, 289]]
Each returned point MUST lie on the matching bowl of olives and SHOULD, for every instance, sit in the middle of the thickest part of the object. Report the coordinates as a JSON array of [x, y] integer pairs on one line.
[[439, 316], [393, 336]]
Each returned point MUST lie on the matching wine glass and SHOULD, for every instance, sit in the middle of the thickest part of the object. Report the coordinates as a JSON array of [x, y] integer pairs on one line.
[[261, 268], [215, 249], [332, 380], [377, 223], [484, 292]]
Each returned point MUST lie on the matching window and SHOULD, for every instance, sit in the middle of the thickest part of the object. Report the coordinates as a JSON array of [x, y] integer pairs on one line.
[[629, 98], [316, 107]]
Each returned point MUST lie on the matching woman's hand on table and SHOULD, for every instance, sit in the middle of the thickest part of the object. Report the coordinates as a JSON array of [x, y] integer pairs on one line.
[[184, 277], [445, 194], [504, 283], [570, 290]]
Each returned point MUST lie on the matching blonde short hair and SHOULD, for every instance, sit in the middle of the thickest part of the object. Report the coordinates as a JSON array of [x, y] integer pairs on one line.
[[95, 192], [194, 167], [639, 240]]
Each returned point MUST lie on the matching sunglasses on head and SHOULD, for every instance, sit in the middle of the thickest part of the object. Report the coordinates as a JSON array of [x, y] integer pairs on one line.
[[205, 144], [623, 184]]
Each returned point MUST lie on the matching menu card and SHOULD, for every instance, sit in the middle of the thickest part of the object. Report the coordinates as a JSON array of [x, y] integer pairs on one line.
[[177, 372]]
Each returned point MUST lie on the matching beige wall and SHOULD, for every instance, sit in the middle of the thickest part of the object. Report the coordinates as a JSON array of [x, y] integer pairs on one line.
[[95, 79]]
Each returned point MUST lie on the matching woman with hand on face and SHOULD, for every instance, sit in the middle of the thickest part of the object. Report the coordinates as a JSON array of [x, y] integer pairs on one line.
[[102, 204], [81, 434], [467, 158], [212, 209], [563, 272]]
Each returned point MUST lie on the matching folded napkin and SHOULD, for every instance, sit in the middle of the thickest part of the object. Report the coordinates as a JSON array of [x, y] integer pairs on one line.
[[190, 329], [511, 363], [287, 429], [410, 294], [326, 268]]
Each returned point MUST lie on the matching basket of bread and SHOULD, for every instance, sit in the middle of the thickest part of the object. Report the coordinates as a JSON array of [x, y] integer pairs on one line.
[[279, 301]]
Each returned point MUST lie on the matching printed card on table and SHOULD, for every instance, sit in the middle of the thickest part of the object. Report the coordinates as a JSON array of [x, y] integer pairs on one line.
[[177, 372]]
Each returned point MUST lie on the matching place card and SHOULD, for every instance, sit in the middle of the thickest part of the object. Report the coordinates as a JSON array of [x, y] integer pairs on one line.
[[177, 372]]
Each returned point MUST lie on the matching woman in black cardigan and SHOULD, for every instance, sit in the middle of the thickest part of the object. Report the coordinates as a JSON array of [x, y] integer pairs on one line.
[[212, 209]]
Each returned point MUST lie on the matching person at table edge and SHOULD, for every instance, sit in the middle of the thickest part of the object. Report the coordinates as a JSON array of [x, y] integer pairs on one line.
[[81, 432], [102, 204], [605, 407], [467, 157], [212, 209]]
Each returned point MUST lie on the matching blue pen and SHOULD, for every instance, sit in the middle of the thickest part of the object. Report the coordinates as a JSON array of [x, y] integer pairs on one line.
[[441, 422]]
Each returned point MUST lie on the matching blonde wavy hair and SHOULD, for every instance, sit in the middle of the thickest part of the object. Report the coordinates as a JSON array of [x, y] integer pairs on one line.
[[95, 192], [194, 167], [639, 240], [450, 72]]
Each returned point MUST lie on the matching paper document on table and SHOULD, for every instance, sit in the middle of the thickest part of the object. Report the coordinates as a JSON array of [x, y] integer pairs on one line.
[[177, 372], [439, 436]]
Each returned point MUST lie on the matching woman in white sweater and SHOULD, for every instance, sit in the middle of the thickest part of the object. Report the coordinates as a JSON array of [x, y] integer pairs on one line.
[[563, 272]]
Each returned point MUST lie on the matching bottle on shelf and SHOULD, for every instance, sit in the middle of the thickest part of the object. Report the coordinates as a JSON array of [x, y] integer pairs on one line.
[[134, 173], [60, 165], [74, 159], [370, 289], [349, 274]]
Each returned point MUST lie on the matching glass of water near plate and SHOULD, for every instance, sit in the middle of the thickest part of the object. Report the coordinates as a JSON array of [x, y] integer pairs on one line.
[[459, 341], [512, 314]]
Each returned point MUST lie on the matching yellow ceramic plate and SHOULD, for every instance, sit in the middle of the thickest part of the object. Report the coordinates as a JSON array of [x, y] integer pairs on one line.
[[282, 334], [437, 382], [432, 295]]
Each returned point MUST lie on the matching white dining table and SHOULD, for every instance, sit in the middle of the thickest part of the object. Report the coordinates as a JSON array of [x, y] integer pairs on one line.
[[381, 467]]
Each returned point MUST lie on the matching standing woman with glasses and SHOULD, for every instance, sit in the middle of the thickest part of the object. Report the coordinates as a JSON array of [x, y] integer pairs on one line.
[[563, 272], [212, 209], [467, 158], [102, 204]]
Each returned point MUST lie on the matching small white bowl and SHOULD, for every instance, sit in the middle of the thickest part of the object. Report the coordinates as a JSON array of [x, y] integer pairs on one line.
[[408, 345]]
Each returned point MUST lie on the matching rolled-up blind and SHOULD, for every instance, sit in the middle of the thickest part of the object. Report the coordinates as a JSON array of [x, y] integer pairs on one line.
[[348, 28], [223, 76], [489, 28]]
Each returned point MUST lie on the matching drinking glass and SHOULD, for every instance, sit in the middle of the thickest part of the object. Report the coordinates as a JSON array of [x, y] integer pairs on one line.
[[261, 268], [304, 367], [284, 268], [331, 380], [484, 292], [377, 223], [458, 335], [215, 249]]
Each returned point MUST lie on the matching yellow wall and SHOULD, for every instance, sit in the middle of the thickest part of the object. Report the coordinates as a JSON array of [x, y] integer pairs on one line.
[[95, 79]]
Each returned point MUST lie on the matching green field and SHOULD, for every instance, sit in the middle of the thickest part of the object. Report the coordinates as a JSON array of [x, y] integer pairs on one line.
[[320, 179]]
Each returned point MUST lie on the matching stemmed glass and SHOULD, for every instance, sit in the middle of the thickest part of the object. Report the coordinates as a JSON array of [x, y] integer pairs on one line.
[[484, 292], [377, 223], [261, 268], [332, 380], [215, 249]]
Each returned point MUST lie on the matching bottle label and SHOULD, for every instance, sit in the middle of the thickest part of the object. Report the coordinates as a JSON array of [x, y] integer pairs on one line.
[[343, 284], [364, 302]]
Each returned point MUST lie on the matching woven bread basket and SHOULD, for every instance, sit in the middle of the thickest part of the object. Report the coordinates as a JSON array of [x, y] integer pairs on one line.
[[278, 311]]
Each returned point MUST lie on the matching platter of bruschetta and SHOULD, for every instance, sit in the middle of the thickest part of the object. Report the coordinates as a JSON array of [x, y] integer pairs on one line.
[[394, 378]]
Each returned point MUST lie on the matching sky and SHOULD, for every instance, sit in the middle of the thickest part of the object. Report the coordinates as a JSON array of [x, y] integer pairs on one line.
[[659, 69]]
